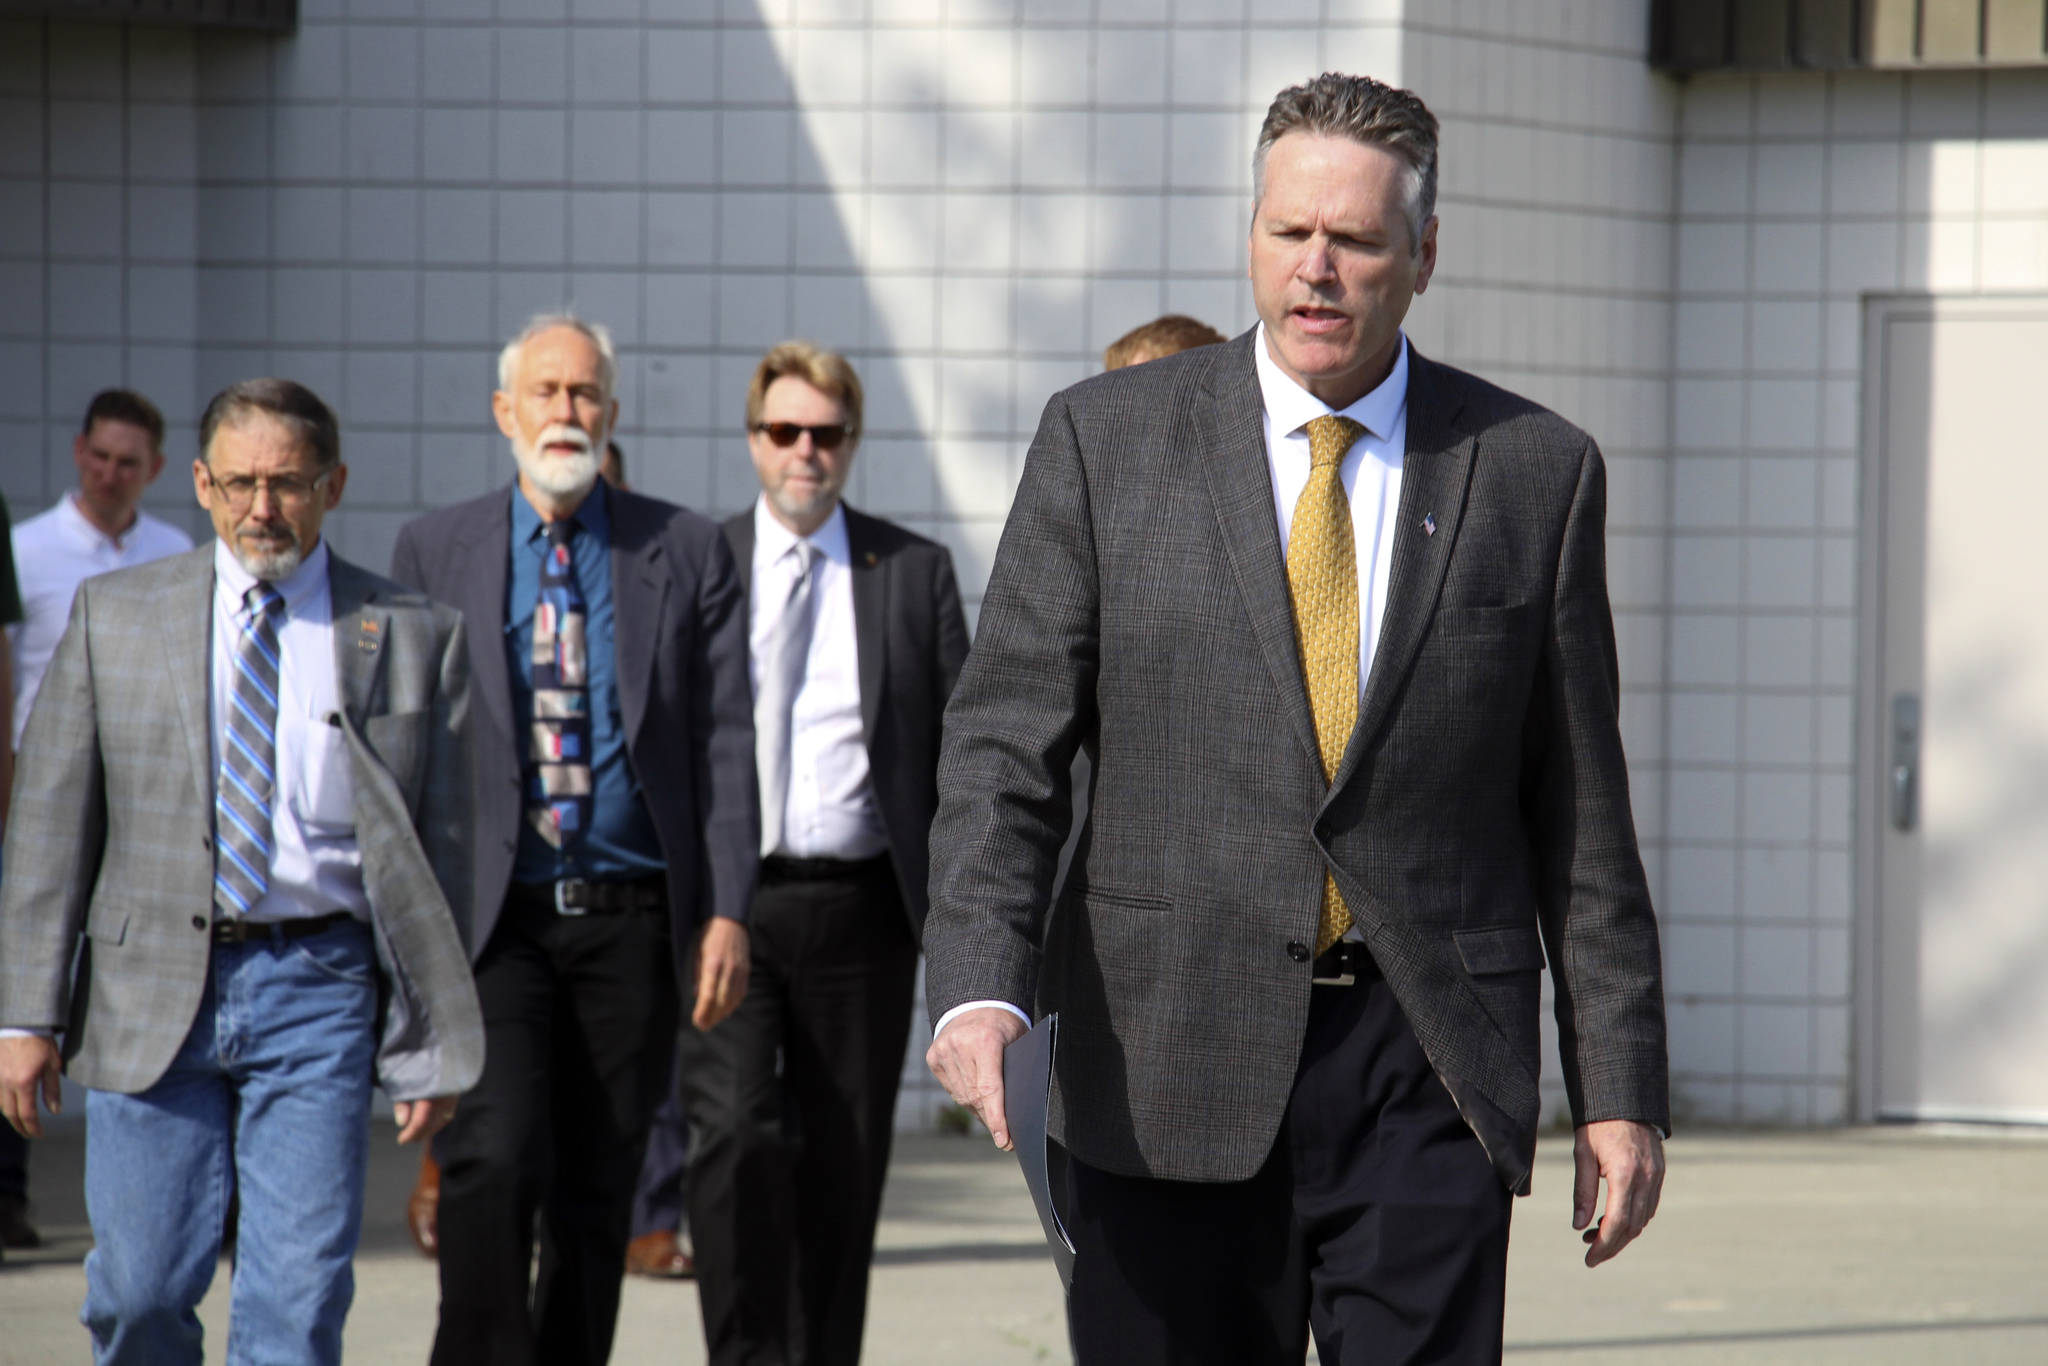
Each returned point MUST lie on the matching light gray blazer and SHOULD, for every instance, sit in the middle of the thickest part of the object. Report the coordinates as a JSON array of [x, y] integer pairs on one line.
[[1139, 608], [111, 832]]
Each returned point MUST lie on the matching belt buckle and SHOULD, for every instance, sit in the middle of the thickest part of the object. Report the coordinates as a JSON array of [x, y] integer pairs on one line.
[[1345, 978], [562, 906]]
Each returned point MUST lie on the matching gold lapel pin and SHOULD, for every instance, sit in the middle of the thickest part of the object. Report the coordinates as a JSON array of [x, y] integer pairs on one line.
[[872, 559]]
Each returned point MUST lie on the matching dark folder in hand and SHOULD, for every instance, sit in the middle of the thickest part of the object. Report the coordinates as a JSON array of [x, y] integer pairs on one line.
[[1027, 1090]]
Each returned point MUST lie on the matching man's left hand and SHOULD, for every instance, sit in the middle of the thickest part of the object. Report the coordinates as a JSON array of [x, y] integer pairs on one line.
[[418, 1119], [722, 966], [1629, 1157]]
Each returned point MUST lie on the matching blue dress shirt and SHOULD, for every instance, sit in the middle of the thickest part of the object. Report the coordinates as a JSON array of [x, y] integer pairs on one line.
[[621, 842]]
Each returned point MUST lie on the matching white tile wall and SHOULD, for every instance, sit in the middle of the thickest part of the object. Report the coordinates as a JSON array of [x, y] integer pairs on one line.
[[1853, 184], [973, 198]]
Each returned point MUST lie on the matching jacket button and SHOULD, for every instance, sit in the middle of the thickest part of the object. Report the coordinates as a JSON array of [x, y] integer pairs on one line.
[[198, 922], [1298, 951]]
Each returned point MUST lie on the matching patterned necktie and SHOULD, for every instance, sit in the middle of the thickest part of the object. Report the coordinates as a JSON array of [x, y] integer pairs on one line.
[[248, 759], [780, 673], [558, 792], [1322, 577]]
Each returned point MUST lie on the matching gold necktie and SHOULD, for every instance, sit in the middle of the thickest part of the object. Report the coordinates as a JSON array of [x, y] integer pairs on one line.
[[1322, 576]]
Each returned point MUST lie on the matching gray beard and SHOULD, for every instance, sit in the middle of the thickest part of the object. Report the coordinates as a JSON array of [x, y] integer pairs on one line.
[[270, 566]]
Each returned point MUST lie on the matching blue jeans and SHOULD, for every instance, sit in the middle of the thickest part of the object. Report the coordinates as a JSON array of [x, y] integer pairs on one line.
[[269, 1094]]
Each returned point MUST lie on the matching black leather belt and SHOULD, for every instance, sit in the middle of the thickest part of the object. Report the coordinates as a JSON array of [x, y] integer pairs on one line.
[[239, 931], [587, 896], [1343, 963], [786, 868]]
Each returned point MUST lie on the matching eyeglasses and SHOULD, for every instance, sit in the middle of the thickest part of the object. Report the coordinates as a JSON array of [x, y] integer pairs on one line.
[[286, 490], [826, 437]]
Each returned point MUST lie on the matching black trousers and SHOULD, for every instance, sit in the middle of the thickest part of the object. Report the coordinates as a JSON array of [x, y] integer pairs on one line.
[[579, 1017], [792, 1105], [659, 1194], [1377, 1222]]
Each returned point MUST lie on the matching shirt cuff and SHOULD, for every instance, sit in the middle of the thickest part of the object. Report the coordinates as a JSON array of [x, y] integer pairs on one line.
[[963, 1008], [8, 1032]]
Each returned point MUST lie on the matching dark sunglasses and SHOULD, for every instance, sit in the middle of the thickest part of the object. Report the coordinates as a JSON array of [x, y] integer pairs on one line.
[[825, 438]]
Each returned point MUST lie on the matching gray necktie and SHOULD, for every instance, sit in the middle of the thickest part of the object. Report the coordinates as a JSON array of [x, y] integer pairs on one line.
[[781, 673], [248, 759]]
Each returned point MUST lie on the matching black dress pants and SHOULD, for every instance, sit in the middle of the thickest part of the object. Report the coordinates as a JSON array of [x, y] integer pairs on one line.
[[792, 1106], [1377, 1221], [579, 1018]]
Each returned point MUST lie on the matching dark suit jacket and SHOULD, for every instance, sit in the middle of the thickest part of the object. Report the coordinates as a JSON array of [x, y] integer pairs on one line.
[[911, 635], [110, 844], [1139, 606], [680, 647]]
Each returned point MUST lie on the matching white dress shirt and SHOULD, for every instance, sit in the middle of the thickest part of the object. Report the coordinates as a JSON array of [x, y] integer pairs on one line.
[[315, 867], [54, 552], [831, 811], [1371, 471]]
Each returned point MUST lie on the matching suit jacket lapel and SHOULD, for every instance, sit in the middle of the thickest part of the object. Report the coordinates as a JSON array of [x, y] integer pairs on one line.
[[362, 628], [187, 626], [640, 585], [872, 576], [481, 565], [1233, 459], [1435, 471]]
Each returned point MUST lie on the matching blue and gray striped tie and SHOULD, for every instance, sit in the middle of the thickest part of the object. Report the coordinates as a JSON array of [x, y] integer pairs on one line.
[[248, 760]]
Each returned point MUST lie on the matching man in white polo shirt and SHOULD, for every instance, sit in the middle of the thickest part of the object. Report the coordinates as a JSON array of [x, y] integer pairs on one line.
[[92, 529], [95, 527]]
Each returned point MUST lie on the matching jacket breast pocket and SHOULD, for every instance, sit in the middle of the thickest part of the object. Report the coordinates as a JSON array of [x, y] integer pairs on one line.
[[1483, 657], [401, 741]]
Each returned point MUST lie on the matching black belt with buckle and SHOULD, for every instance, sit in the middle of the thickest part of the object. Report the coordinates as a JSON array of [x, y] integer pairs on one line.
[[1343, 963], [238, 931], [788, 868], [588, 896]]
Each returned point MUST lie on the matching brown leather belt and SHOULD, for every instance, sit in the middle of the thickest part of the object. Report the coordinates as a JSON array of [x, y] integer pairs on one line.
[[575, 896], [238, 931], [1345, 962]]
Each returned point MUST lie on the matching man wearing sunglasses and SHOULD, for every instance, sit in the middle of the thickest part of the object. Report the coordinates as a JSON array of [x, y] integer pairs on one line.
[[615, 847], [856, 637]]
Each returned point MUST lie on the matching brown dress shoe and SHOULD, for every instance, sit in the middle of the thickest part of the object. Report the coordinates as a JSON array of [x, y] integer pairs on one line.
[[425, 1203], [657, 1254]]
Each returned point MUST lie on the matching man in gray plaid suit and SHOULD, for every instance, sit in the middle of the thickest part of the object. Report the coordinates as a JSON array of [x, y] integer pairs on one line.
[[243, 805], [1332, 621]]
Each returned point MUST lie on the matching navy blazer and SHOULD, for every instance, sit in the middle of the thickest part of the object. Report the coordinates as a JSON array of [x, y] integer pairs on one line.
[[911, 637], [679, 644]]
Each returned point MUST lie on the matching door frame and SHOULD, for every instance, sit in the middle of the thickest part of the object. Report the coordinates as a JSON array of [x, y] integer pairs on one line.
[[1872, 712]]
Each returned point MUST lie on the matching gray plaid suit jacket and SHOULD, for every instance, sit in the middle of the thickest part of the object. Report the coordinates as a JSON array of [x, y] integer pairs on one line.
[[110, 841], [1139, 607]]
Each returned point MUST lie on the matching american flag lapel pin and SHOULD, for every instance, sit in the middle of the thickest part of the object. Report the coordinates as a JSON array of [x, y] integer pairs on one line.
[[1429, 524]]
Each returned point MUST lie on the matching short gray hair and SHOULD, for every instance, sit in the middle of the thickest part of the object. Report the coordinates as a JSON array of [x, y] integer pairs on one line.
[[1366, 111], [600, 337]]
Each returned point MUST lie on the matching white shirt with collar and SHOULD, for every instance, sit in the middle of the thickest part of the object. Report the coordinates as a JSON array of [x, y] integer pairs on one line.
[[831, 810], [54, 552], [316, 867], [1371, 471]]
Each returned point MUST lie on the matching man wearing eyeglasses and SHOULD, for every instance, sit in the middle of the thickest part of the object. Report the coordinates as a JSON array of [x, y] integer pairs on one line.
[[242, 811], [856, 635], [617, 833]]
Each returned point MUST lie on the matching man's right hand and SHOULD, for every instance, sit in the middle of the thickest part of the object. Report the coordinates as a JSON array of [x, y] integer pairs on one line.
[[29, 1064], [967, 1058]]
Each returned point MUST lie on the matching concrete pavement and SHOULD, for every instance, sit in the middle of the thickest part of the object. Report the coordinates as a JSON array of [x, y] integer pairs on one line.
[[1867, 1246]]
